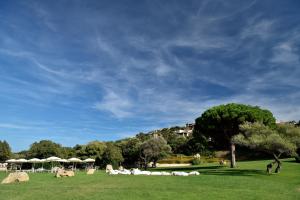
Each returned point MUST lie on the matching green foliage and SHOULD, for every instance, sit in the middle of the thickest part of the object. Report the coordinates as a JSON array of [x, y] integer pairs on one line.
[[196, 161], [67, 152], [182, 159], [44, 149], [154, 149], [222, 122], [5, 151], [95, 149], [112, 155], [80, 151], [285, 138], [173, 139], [143, 137], [130, 151], [178, 144], [197, 145]]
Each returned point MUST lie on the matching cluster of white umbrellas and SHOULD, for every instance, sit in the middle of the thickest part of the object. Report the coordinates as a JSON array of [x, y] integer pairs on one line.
[[51, 159]]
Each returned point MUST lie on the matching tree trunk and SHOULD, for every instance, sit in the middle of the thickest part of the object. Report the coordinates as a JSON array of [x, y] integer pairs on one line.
[[269, 168], [277, 161], [145, 164], [278, 168], [154, 164], [232, 156]]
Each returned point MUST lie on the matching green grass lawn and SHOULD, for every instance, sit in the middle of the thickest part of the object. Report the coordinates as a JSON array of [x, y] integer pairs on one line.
[[248, 181]]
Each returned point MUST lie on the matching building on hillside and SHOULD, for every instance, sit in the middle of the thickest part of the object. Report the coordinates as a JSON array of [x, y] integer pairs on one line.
[[187, 131]]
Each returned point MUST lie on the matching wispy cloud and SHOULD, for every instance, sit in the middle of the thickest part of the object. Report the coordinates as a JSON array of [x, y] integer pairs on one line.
[[262, 29], [131, 68], [285, 53], [14, 126], [119, 106]]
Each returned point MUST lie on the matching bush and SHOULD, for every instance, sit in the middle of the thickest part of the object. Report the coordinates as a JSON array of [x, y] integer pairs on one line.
[[178, 159], [181, 159], [196, 161]]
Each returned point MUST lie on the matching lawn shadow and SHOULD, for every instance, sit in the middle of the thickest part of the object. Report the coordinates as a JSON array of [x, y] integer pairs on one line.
[[216, 170], [233, 172], [291, 161], [188, 168]]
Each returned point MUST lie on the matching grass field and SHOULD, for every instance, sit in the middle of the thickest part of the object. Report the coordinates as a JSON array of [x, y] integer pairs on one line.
[[248, 181]]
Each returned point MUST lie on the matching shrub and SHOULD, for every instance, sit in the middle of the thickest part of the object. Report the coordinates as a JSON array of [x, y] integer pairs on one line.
[[178, 159], [196, 161]]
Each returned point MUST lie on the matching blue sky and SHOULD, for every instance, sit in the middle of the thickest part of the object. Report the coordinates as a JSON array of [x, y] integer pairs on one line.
[[76, 71]]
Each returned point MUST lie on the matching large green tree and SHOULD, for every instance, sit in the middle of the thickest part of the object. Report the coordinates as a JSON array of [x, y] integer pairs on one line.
[[5, 151], [130, 151], [112, 155], [154, 149], [95, 149], [67, 152], [220, 123], [283, 139], [44, 149]]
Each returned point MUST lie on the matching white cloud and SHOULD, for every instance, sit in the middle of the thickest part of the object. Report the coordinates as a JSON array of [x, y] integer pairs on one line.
[[116, 104], [162, 69], [284, 53], [261, 28], [14, 126]]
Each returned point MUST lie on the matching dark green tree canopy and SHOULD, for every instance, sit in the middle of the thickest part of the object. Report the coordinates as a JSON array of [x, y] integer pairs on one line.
[[5, 151], [44, 149], [222, 122], [95, 149], [130, 150], [112, 155]]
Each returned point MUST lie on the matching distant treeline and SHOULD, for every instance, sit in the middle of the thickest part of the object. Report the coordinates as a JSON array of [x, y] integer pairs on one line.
[[214, 130]]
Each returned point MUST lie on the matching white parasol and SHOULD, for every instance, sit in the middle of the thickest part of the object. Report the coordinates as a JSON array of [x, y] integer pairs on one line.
[[11, 161], [21, 161], [33, 161], [52, 159], [63, 160], [75, 161], [89, 160]]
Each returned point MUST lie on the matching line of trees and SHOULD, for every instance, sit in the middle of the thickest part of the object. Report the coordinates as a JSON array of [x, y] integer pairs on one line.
[[132, 152], [5, 151], [218, 128]]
